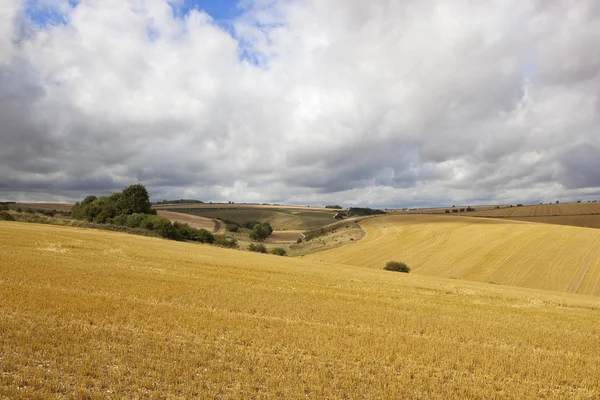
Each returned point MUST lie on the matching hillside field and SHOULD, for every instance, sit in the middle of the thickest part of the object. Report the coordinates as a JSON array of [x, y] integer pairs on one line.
[[281, 219], [540, 210], [506, 252], [96, 314]]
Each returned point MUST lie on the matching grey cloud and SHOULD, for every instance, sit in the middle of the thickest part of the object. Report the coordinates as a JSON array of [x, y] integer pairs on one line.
[[381, 103]]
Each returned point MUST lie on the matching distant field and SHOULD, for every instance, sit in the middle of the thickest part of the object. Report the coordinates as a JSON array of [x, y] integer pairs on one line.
[[238, 206], [584, 221], [96, 314], [192, 220], [280, 218], [439, 210], [540, 210], [46, 206], [540, 256]]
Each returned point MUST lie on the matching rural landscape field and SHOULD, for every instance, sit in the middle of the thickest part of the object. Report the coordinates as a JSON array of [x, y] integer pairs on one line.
[[95, 314], [506, 252], [299, 199]]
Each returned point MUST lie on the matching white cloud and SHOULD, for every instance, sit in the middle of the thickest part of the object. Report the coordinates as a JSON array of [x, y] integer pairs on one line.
[[381, 103]]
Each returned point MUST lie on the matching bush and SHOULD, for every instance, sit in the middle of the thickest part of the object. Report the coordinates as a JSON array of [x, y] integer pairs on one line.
[[396, 266], [278, 251], [224, 241], [299, 240], [257, 248], [5, 216], [232, 228]]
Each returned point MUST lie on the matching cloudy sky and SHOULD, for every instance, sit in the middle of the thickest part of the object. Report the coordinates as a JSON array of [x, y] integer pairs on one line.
[[382, 103]]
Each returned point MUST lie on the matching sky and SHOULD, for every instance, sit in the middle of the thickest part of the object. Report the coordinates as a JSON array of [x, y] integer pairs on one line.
[[378, 103]]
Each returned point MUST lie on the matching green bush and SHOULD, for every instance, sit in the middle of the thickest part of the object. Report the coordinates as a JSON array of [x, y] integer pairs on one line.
[[278, 251], [136, 220], [396, 266], [204, 236], [186, 232], [224, 241], [163, 227], [232, 227], [258, 248], [261, 231], [6, 216]]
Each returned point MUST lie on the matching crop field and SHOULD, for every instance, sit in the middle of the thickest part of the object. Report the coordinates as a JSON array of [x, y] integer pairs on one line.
[[280, 219], [439, 210], [239, 205], [540, 210], [506, 252], [96, 314], [192, 220], [46, 206], [584, 221]]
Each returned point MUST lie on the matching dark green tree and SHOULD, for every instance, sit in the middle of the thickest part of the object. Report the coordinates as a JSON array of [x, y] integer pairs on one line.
[[134, 199]]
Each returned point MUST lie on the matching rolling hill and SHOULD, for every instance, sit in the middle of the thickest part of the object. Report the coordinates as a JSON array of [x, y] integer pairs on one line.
[[506, 252], [96, 314]]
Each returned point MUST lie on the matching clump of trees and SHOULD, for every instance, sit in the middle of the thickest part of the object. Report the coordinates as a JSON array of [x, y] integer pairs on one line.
[[335, 206], [180, 201], [397, 266], [362, 211], [131, 208], [133, 199]]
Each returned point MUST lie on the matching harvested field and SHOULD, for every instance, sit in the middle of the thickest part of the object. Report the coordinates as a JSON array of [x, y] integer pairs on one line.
[[95, 314], [506, 252], [192, 220], [540, 210], [285, 236], [584, 221]]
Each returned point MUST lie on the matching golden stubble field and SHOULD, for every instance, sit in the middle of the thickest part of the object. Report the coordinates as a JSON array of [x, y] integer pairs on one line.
[[96, 314], [506, 252]]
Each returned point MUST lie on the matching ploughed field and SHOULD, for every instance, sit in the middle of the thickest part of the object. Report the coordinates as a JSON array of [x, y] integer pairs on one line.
[[96, 314], [539, 256]]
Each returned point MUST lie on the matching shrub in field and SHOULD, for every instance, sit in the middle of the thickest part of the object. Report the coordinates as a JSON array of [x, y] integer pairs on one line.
[[299, 240], [261, 231], [232, 227], [224, 241], [5, 216], [278, 251], [396, 266], [257, 248]]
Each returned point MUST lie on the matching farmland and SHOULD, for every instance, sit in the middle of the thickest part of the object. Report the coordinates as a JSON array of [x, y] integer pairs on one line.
[[279, 218], [89, 313], [506, 252], [540, 210]]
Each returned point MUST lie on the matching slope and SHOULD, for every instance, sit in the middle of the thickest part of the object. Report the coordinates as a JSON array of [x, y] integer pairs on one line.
[[540, 256], [95, 314]]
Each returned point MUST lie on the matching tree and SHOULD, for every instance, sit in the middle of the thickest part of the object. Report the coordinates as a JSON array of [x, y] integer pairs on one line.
[[261, 231], [135, 199]]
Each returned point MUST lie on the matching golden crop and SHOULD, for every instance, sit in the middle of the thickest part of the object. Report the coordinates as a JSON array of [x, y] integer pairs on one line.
[[96, 314], [506, 252]]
